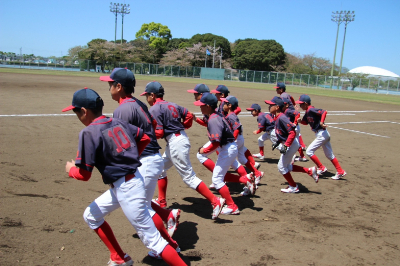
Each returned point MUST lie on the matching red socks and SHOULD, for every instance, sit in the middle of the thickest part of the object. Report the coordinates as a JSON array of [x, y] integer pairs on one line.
[[315, 159], [161, 228], [301, 152], [249, 157], [205, 192], [224, 192], [163, 213], [241, 171], [162, 190], [290, 180], [209, 164], [107, 236], [337, 166], [297, 168], [171, 257], [262, 150]]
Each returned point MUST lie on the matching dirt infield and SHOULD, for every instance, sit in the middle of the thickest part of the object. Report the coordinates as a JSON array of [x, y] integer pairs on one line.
[[354, 221]]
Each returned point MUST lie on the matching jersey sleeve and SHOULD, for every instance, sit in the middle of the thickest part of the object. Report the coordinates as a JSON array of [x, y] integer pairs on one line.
[[86, 157]]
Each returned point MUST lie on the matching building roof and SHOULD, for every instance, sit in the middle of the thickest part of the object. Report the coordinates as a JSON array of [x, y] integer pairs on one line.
[[375, 71]]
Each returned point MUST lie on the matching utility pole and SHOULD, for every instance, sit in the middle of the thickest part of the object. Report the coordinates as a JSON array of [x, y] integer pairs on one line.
[[348, 17], [220, 61]]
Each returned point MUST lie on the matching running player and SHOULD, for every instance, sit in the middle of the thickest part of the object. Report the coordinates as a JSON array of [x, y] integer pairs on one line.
[[121, 86], [286, 134], [172, 120], [222, 92], [266, 123], [244, 155], [113, 146], [316, 119], [221, 137], [281, 90]]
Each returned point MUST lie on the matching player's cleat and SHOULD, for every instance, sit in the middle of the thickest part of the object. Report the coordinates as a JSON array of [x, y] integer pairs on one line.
[[338, 176], [156, 256], [313, 173], [126, 262], [161, 203], [245, 192], [217, 207], [257, 165], [212, 187], [291, 189], [322, 170], [173, 221], [258, 178], [301, 159], [258, 156], [230, 210], [304, 148], [251, 184]]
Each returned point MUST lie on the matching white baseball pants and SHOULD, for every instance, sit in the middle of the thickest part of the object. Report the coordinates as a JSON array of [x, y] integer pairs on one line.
[[323, 138]]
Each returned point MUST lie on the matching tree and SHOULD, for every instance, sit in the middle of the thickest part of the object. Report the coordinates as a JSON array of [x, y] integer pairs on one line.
[[208, 39], [73, 53], [262, 55], [157, 34], [355, 79], [177, 43], [307, 64]]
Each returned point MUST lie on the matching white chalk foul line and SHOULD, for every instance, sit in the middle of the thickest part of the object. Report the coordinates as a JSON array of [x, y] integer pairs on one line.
[[356, 131]]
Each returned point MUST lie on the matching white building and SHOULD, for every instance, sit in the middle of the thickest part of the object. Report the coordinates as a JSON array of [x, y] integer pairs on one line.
[[375, 72]]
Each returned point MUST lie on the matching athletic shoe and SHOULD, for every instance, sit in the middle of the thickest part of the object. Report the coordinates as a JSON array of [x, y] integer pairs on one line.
[[245, 192], [301, 159], [291, 189], [162, 204], [313, 173], [230, 210], [217, 207], [156, 256], [322, 170], [173, 221], [304, 148], [126, 262], [258, 178], [251, 184], [258, 156], [257, 165], [338, 176], [212, 187]]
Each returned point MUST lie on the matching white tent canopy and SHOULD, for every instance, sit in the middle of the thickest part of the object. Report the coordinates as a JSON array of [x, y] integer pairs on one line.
[[374, 71]]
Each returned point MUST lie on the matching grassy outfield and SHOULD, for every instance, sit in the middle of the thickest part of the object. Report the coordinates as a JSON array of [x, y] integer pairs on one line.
[[368, 97]]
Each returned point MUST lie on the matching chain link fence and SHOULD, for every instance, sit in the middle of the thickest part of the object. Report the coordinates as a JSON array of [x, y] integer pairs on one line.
[[383, 85]]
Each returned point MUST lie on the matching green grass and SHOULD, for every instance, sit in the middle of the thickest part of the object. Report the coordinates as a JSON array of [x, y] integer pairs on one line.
[[368, 97]]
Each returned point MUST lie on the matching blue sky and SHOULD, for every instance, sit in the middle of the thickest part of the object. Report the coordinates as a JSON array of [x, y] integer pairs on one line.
[[49, 27]]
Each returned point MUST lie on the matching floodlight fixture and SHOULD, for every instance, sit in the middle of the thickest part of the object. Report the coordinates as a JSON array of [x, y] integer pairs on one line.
[[337, 18]]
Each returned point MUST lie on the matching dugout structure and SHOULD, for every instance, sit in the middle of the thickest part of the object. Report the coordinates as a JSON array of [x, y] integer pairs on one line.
[[212, 73]]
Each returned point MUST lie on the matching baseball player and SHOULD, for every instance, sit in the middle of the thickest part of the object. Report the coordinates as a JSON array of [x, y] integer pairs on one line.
[[221, 137], [281, 90], [198, 91], [286, 134], [244, 155], [121, 86], [266, 122], [113, 146], [172, 120], [316, 119], [222, 92]]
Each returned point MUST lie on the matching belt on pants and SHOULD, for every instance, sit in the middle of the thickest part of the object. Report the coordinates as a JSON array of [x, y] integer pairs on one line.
[[127, 178]]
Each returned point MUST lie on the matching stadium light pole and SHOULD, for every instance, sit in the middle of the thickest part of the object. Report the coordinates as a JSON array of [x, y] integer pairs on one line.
[[114, 8], [337, 18], [125, 10], [347, 18]]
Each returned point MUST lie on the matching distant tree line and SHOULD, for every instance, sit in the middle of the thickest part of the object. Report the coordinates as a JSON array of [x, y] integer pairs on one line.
[[154, 44]]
